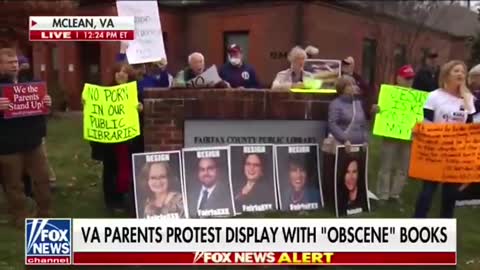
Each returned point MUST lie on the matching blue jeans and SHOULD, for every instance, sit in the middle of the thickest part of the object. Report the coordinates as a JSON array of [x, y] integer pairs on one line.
[[424, 200]]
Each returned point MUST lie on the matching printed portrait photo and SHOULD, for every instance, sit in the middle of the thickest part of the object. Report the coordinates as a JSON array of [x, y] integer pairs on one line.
[[158, 185], [253, 178], [298, 175], [351, 195], [207, 182]]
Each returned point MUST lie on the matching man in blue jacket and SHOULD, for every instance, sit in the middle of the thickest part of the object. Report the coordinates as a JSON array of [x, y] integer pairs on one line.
[[237, 73]]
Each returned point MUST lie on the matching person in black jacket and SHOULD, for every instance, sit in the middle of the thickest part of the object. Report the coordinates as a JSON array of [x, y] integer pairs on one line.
[[426, 78], [21, 150]]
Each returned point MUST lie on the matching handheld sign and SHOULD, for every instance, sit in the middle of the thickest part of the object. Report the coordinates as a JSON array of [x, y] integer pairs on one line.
[[446, 153], [209, 76], [26, 99], [400, 109], [148, 45], [110, 114]]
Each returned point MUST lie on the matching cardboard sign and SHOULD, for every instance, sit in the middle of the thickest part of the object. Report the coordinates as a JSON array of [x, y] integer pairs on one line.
[[446, 153], [26, 99], [148, 45], [110, 114], [400, 109], [324, 71], [208, 77]]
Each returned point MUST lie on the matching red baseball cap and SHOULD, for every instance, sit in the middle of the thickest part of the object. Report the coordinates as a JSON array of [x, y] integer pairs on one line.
[[406, 72], [234, 49]]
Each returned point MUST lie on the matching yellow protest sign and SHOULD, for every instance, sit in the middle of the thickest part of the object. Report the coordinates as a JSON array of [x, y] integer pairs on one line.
[[400, 109], [110, 114]]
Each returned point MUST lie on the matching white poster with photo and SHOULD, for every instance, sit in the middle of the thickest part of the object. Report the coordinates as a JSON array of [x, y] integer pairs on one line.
[[253, 178], [148, 45], [209, 77], [157, 182], [207, 183], [351, 180], [298, 176]]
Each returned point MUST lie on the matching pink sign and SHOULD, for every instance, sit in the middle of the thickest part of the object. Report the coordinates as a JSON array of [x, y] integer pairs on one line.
[[26, 99]]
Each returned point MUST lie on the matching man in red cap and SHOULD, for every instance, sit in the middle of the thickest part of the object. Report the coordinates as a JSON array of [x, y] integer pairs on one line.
[[237, 73], [395, 154]]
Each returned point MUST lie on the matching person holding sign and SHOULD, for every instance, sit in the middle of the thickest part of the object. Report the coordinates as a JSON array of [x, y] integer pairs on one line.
[[116, 157], [21, 149], [192, 75], [293, 77], [451, 103], [394, 152]]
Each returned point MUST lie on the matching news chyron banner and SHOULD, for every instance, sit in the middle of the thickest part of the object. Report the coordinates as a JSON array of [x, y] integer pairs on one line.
[[229, 242], [96, 28]]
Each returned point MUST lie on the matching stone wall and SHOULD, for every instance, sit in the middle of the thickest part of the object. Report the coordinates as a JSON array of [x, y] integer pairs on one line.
[[165, 110]]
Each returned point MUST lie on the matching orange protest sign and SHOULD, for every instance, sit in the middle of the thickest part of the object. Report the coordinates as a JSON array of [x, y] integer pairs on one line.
[[446, 153]]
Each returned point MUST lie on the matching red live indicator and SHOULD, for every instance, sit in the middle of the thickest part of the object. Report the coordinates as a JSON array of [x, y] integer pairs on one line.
[[81, 35]]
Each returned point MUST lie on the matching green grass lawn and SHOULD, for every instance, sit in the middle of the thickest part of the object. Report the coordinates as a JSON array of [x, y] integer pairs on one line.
[[79, 196]]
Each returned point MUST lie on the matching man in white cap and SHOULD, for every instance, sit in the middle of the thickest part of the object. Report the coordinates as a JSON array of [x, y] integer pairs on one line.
[[237, 73]]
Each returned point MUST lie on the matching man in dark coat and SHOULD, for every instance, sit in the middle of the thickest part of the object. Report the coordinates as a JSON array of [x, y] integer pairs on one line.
[[21, 150], [237, 73], [426, 78]]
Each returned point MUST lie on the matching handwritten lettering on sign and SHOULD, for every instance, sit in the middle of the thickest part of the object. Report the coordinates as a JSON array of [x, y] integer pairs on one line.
[[148, 45], [26, 99], [110, 114], [400, 109], [446, 153]]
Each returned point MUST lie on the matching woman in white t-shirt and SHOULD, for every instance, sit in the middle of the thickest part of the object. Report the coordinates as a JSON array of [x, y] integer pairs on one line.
[[451, 103]]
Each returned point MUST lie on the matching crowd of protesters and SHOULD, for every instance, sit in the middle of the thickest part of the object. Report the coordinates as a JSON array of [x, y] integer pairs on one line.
[[24, 167]]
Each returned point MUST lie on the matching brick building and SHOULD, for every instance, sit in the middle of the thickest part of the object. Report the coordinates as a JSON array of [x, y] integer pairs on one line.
[[266, 29]]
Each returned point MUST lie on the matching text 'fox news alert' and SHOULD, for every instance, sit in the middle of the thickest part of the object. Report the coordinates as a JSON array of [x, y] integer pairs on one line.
[[113, 28], [241, 242]]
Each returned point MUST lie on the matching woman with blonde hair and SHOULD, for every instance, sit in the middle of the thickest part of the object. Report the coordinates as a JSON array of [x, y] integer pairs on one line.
[[159, 187], [295, 75], [451, 103]]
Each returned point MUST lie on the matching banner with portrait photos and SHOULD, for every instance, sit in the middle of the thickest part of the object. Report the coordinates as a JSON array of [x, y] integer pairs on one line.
[[207, 182], [298, 177], [157, 181], [253, 178], [351, 181]]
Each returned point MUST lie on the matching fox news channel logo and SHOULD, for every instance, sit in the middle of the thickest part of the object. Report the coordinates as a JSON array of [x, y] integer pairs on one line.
[[48, 241]]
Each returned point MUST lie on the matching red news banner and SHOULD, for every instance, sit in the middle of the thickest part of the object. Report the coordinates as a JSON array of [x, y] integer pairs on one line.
[[26, 99]]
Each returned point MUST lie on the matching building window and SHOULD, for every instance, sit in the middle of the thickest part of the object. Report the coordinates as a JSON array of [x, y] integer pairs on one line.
[[369, 60], [400, 55], [239, 38]]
